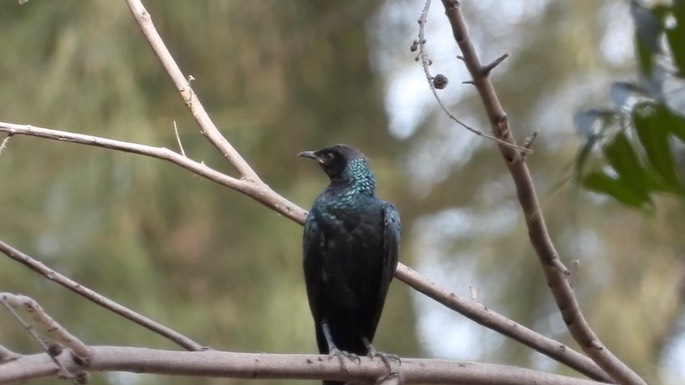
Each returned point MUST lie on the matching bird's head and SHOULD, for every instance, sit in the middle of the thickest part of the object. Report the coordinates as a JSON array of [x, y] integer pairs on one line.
[[342, 163]]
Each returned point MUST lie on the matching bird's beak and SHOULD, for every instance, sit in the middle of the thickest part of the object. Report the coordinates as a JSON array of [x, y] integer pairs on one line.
[[309, 155]]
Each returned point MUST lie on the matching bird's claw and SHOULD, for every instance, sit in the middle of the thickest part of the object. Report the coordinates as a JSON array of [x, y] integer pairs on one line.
[[354, 357], [386, 358], [348, 355], [340, 354]]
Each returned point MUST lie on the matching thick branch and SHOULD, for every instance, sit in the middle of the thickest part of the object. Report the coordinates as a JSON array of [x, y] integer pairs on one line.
[[271, 199], [293, 366], [554, 269]]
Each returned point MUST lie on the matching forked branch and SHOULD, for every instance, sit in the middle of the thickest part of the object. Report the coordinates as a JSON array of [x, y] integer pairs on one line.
[[97, 298], [249, 184], [271, 199], [555, 271]]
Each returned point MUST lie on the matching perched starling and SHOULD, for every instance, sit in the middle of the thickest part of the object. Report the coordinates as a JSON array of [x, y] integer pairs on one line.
[[351, 241]]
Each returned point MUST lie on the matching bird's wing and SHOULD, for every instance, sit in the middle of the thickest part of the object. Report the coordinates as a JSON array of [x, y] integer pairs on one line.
[[313, 250], [391, 245]]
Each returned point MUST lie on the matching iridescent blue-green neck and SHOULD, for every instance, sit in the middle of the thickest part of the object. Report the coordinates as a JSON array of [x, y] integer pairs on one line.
[[357, 177]]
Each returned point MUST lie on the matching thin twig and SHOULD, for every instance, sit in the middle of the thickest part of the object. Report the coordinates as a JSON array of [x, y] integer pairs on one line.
[[182, 83], [529, 144], [491, 66], [10, 306], [554, 269], [573, 276], [4, 142], [79, 352], [474, 293], [425, 63], [99, 299], [178, 139], [258, 191], [47, 324], [10, 303], [7, 355]]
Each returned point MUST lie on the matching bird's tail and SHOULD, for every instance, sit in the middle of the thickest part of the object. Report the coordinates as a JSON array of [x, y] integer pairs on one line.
[[334, 383]]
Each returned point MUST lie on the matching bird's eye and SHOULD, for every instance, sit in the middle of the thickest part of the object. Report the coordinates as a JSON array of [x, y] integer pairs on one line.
[[328, 156]]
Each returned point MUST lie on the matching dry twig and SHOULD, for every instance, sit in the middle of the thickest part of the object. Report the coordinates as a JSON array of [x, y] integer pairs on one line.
[[425, 64], [99, 299]]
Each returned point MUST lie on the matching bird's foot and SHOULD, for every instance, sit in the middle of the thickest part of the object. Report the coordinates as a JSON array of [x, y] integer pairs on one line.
[[385, 357], [341, 355], [350, 356]]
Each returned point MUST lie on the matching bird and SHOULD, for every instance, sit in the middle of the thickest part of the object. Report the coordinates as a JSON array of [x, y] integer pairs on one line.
[[350, 253]]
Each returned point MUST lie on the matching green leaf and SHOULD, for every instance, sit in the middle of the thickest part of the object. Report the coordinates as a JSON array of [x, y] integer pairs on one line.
[[676, 125], [602, 183], [644, 57], [625, 161], [653, 132]]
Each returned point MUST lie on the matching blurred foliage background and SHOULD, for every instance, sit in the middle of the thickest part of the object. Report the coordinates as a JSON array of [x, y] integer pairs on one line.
[[281, 77], [642, 133]]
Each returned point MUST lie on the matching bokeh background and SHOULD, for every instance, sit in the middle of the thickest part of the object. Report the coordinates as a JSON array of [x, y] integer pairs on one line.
[[279, 77]]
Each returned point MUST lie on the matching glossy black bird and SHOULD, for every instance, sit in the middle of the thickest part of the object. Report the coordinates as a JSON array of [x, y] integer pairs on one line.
[[351, 241]]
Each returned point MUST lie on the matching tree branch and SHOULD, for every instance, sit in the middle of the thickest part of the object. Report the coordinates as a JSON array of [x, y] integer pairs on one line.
[[420, 43], [182, 83], [271, 199], [7, 355], [555, 271], [256, 190], [208, 129], [212, 363], [99, 299], [503, 325], [250, 185]]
